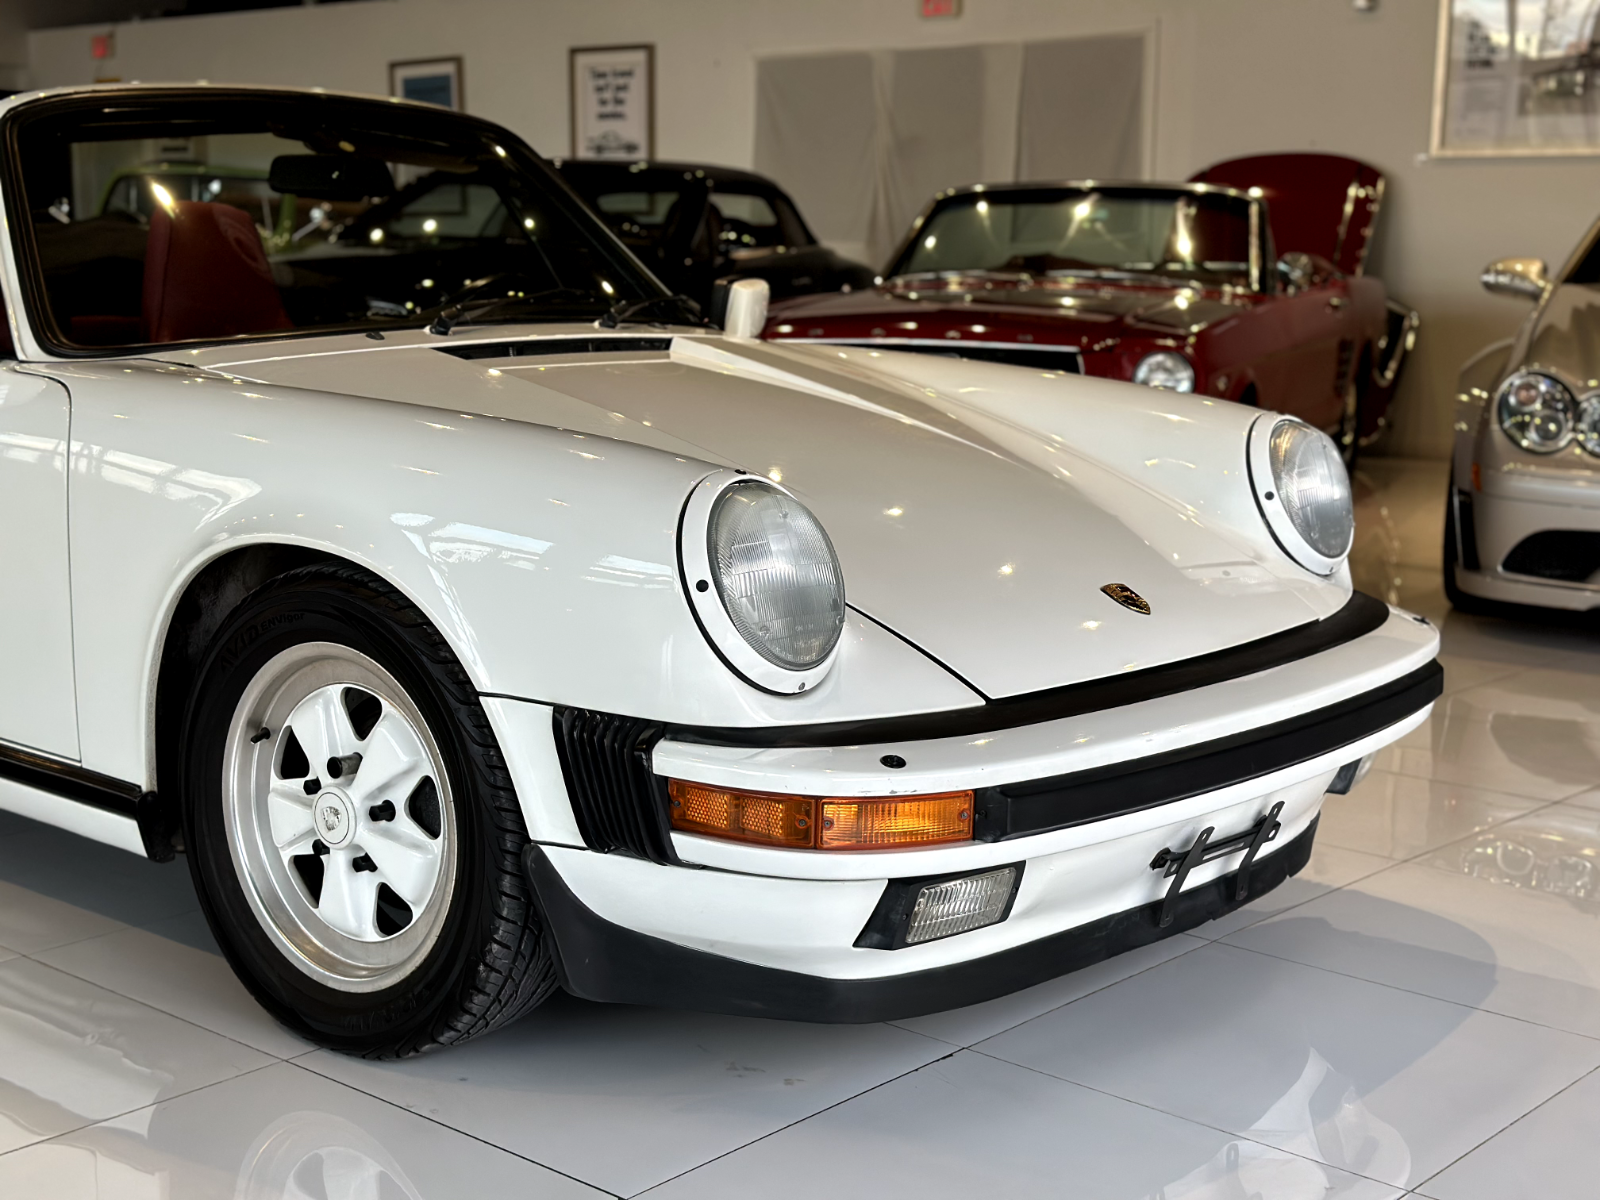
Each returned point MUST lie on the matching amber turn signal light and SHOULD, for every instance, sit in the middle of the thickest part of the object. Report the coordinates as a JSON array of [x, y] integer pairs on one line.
[[821, 822]]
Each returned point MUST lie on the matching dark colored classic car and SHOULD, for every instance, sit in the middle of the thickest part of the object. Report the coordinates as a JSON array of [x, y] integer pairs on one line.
[[695, 225], [1246, 283]]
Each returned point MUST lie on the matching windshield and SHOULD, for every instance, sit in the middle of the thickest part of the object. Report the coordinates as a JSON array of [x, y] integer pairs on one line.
[[1139, 231], [655, 207], [169, 218]]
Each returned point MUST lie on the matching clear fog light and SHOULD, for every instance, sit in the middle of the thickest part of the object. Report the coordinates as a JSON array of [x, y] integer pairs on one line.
[[960, 905]]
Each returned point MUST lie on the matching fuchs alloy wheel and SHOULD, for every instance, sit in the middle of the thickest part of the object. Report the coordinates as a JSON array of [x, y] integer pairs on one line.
[[354, 835]]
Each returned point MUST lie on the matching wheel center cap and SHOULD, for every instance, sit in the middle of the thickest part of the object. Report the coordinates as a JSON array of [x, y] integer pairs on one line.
[[335, 820]]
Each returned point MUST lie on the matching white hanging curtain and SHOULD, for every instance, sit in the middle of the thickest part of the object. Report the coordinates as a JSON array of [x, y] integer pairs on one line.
[[1082, 109], [864, 140]]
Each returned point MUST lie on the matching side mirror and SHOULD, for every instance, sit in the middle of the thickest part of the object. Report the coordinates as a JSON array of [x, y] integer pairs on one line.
[[747, 308], [1526, 278], [1297, 270]]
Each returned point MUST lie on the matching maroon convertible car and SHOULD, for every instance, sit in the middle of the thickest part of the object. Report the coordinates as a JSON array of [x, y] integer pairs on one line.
[[1245, 283]]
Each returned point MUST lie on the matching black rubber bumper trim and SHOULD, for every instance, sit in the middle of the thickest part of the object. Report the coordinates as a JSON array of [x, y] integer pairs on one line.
[[599, 960], [70, 781], [1039, 805], [157, 826], [1360, 615]]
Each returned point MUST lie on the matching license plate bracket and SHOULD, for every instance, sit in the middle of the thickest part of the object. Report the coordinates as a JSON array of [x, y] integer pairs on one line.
[[1176, 864]]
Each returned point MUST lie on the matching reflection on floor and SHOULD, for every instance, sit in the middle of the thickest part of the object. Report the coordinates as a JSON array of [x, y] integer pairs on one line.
[[1418, 1011]]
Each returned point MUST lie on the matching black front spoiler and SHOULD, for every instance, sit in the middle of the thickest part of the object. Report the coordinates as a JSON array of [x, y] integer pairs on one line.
[[599, 960]]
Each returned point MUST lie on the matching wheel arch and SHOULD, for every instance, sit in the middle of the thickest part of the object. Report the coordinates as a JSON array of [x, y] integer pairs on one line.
[[198, 607]]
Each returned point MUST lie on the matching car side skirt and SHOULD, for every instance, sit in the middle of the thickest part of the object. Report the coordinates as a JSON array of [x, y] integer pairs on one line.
[[599, 960], [85, 802]]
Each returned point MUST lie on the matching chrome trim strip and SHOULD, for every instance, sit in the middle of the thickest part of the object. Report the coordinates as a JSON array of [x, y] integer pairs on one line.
[[889, 343]]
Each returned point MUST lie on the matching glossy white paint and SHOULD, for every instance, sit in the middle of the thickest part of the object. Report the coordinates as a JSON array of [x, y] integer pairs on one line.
[[1060, 747], [82, 819], [977, 509], [35, 606]]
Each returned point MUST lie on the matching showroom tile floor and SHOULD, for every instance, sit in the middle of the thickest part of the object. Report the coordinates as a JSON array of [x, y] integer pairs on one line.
[[1418, 1013]]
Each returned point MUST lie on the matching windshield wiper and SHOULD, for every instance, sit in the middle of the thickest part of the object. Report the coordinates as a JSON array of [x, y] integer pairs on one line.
[[627, 310], [452, 315]]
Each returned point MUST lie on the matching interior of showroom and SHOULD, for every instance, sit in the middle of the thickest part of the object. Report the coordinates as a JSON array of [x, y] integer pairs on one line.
[[522, 691]]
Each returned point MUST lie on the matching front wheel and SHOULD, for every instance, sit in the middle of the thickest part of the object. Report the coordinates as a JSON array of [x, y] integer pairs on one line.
[[353, 831]]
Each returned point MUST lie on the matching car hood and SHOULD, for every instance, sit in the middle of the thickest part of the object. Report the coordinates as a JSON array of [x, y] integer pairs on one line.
[[975, 517], [979, 307]]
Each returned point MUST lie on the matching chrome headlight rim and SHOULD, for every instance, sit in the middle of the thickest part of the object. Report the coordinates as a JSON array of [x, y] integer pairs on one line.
[[703, 588], [1562, 397], [1171, 360], [1587, 426], [1269, 497]]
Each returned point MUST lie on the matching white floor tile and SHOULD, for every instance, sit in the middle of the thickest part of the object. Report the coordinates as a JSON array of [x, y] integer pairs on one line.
[[1531, 733], [30, 921], [624, 1098], [967, 1026], [1524, 953], [1330, 867], [1462, 671], [122, 887], [1367, 1078], [970, 1126], [72, 1053], [197, 985], [277, 1134], [1553, 1153], [1400, 816]]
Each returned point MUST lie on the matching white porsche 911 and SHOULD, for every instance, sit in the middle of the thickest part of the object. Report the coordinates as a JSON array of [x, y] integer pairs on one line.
[[476, 619]]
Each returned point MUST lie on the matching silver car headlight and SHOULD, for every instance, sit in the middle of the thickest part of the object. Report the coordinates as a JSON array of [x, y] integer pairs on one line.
[[1303, 491], [1165, 369], [1538, 413], [763, 580], [1589, 425]]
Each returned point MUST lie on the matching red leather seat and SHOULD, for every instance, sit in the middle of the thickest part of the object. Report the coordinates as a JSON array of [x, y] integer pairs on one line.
[[206, 276]]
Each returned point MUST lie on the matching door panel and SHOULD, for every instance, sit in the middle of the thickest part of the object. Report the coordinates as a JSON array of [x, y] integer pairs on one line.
[[37, 700]]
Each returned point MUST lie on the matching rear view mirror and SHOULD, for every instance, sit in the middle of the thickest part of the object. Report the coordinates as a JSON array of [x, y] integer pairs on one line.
[[329, 176], [1526, 278]]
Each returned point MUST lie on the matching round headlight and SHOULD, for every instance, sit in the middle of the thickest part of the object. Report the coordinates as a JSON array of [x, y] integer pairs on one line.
[[1303, 491], [1589, 425], [1165, 369], [764, 581], [1537, 412]]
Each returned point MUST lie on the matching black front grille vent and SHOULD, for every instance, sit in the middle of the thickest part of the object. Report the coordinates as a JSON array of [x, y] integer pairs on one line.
[[1570, 555], [619, 802]]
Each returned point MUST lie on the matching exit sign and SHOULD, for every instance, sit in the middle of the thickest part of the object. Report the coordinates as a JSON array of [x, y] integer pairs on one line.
[[941, 8]]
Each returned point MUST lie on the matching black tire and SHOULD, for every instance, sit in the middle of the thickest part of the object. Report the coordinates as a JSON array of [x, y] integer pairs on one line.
[[491, 960]]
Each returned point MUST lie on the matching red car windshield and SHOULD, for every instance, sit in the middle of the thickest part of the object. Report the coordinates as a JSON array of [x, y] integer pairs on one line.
[[1206, 237]]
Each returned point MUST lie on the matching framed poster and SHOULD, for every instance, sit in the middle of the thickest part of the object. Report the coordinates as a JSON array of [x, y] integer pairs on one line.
[[429, 80], [613, 101], [1517, 78]]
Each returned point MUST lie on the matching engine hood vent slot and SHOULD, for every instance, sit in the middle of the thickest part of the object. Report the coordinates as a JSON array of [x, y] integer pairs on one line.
[[545, 347]]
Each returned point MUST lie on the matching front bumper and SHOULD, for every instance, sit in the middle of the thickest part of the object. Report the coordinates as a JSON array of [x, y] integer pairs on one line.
[[1095, 799], [597, 959], [1504, 519]]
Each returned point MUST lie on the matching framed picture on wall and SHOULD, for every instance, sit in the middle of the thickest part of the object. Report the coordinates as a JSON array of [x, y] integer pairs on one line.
[[1517, 78], [429, 80], [613, 101]]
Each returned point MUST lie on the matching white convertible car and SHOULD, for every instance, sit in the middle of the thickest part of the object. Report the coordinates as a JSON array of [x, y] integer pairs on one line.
[[478, 620]]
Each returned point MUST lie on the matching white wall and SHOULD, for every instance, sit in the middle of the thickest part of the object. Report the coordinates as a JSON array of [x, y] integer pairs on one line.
[[1232, 77]]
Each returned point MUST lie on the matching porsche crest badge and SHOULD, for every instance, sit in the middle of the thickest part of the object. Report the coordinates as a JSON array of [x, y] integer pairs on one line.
[[1127, 597]]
